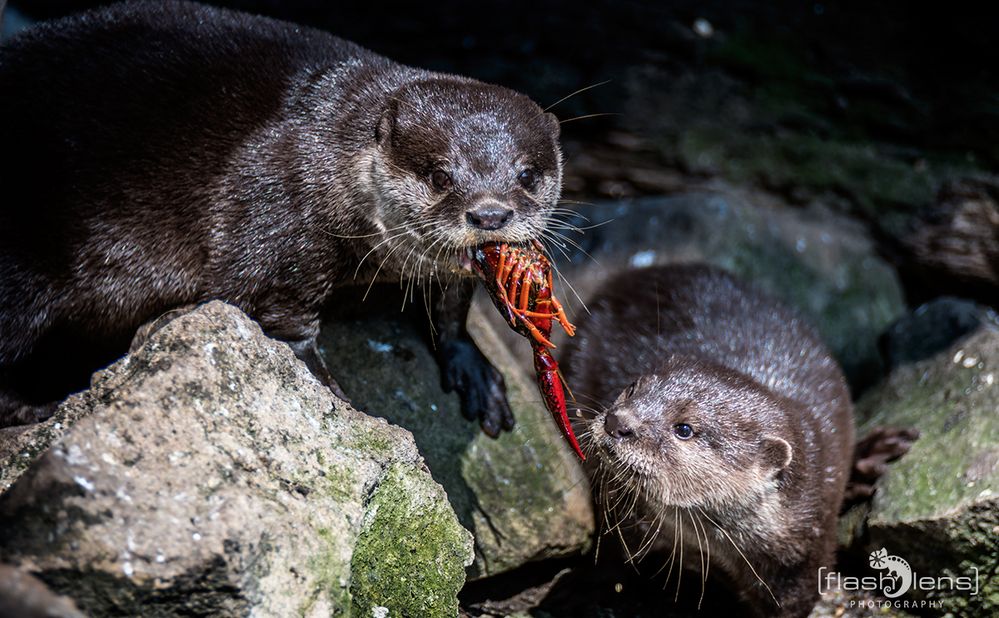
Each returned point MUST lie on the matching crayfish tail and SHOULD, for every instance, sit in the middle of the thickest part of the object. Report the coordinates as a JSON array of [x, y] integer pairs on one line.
[[553, 393]]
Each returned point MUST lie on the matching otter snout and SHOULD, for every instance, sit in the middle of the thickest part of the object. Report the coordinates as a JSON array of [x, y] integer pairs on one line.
[[489, 216], [620, 424]]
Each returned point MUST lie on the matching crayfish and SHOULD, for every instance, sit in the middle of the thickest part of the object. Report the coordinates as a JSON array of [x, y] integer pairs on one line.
[[519, 281]]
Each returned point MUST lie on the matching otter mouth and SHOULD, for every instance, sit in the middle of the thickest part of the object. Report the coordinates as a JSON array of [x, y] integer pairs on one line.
[[466, 260], [469, 259]]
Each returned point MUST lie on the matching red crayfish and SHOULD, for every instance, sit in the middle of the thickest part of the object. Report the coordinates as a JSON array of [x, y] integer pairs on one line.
[[519, 280]]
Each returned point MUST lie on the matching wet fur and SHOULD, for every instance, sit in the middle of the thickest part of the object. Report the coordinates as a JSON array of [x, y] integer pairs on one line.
[[163, 154], [766, 467]]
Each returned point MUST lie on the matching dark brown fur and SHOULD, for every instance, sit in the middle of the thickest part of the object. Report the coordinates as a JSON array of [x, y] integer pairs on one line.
[[772, 428], [163, 154]]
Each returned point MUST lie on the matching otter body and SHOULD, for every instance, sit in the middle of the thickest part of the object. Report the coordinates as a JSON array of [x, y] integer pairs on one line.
[[724, 424], [159, 155]]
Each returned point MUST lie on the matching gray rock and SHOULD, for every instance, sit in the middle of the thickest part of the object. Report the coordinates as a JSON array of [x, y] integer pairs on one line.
[[210, 473], [938, 507], [25, 596], [814, 259], [952, 247], [524, 496], [932, 328]]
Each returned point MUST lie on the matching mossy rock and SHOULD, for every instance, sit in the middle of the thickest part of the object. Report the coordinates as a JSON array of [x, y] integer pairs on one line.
[[523, 496], [411, 553], [209, 473], [938, 507]]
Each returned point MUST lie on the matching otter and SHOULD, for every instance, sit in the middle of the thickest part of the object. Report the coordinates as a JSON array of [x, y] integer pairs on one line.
[[159, 155], [722, 429]]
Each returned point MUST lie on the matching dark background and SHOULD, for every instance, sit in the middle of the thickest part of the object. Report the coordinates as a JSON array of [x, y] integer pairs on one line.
[[882, 110], [887, 112]]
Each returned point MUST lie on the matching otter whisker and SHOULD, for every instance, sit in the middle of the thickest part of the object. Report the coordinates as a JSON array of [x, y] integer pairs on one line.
[[568, 201], [596, 402], [700, 552], [679, 570], [417, 267], [409, 230], [558, 272], [561, 210], [581, 90], [672, 554], [585, 116], [730, 540], [375, 248], [379, 233], [585, 228], [379, 269], [706, 563], [573, 243], [650, 536]]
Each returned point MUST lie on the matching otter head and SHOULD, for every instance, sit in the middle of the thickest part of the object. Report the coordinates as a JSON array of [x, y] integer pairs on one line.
[[458, 163], [695, 435]]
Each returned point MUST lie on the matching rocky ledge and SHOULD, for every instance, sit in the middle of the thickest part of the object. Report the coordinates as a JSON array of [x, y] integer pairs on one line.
[[210, 473]]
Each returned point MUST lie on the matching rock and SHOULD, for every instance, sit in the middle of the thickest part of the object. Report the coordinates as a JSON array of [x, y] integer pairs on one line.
[[25, 596], [938, 507], [210, 473], [953, 247], [855, 604], [20, 446], [932, 328], [814, 259], [523, 496]]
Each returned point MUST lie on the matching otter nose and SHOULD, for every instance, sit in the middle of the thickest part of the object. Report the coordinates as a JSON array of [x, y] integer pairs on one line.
[[617, 426], [491, 216]]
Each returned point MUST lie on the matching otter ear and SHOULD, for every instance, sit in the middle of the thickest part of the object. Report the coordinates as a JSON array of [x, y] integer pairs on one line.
[[776, 453], [386, 125], [553, 124]]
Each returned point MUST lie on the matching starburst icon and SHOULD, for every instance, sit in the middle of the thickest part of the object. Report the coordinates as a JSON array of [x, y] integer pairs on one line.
[[879, 558]]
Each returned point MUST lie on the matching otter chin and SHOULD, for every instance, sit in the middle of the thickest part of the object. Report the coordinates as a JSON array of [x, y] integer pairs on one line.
[[722, 433]]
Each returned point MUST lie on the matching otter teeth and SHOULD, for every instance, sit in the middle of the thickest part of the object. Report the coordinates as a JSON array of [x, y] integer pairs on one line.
[[465, 259]]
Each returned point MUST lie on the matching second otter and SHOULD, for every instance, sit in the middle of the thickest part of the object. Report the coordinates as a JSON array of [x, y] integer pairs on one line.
[[725, 428]]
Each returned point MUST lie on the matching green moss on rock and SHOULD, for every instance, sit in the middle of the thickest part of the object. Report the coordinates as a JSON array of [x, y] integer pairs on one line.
[[411, 553], [331, 579], [938, 507]]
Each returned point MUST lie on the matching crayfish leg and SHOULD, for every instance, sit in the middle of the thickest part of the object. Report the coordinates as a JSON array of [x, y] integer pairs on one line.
[[501, 265], [525, 291], [538, 336], [562, 319]]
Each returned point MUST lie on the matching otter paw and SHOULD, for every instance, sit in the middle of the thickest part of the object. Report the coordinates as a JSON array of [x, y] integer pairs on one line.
[[871, 457], [479, 385]]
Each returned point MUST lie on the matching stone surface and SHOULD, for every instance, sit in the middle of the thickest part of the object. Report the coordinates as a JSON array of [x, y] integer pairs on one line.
[[25, 596], [210, 473], [20, 446], [814, 259], [953, 246], [933, 327], [523, 496], [938, 507]]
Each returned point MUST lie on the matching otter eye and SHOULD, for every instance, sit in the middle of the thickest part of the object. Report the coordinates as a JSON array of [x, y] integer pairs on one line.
[[528, 179], [683, 431], [630, 390], [441, 180]]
